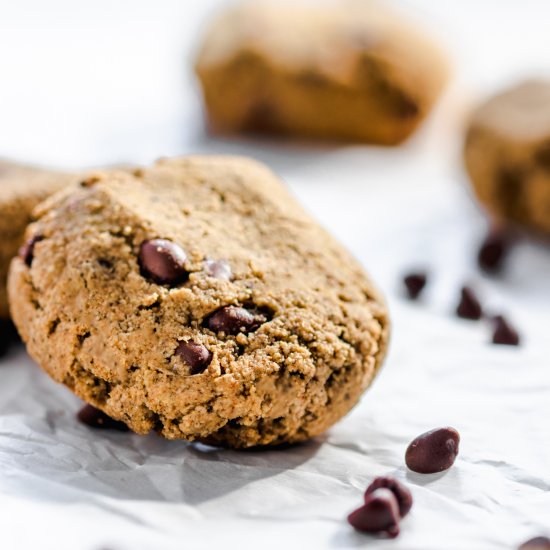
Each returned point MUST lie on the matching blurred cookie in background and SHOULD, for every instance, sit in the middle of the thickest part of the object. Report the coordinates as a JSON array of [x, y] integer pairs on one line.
[[350, 71], [21, 189], [507, 155]]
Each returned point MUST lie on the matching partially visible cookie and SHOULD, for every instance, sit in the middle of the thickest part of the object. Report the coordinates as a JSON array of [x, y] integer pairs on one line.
[[349, 70], [507, 155], [21, 189], [198, 299]]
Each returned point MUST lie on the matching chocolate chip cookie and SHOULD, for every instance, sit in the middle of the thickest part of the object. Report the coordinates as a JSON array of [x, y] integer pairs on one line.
[[196, 298], [507, 155], [21, 189], [348, 71]]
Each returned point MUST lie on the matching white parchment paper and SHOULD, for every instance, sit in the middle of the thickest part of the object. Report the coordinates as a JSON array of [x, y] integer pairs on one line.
[[65, 486]]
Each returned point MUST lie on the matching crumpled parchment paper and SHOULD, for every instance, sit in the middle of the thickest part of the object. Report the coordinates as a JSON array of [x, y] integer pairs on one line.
[[64, 486]]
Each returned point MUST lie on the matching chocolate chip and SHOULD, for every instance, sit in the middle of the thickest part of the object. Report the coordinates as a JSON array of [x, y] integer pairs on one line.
[[261, 118], [8, 336], [542, 156], [433, 451], [504, 333], [94, 418], [163, 262], [510, 193], [195, 356], [26, 252], [493, 251], [219, 269], [234, 319], [537, 543], [106, 264], [91, 181], [379, 514], [405, 106], [469, 306], [415, 283], [401, 493]]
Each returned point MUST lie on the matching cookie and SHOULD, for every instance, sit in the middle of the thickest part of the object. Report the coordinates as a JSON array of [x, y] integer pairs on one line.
[[349, 71], [21, 189], [507, 155], [197, 298]]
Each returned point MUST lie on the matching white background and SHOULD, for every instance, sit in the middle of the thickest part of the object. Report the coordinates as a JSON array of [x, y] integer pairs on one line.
[[91, 83]]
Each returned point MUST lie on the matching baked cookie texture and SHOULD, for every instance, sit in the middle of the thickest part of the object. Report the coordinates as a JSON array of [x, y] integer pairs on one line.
[[21, 189], [349, 70], [197, 298], [507, 155]]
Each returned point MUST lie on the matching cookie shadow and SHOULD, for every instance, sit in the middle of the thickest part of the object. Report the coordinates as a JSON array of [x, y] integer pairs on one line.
[[244, 467], [95, 465]]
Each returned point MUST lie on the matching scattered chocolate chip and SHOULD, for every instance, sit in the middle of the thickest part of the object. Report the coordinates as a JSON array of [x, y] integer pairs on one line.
[[504, 333], [433, 451], [494, 250], [537, 543], [235, 319], [94, 418], [8, 336], [163, 262], [379, 514], [26, 252], [401, 493], [219, 269], [195, 356], [469, 306], [415, 283]]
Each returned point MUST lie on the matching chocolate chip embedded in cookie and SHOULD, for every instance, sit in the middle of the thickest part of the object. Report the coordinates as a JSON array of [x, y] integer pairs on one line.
[[195, 356], [233, 319], [26, 252], [94, 418], [506, 155], [350, 71], [163, 261], [198, 299], [21, 189]]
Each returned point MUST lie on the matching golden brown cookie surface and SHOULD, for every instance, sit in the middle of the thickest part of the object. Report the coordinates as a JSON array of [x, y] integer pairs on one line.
[[507, 155], [197, 298], [340, 71], [21, 189]]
